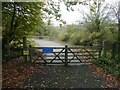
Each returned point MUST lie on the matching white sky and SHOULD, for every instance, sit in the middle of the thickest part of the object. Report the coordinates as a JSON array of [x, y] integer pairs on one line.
[[74, 16]]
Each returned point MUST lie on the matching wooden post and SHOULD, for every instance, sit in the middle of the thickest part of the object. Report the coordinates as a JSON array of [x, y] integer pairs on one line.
[[104, 49], [66, 55], [114, 45], [30, 53], [100, 49], [8, 47], [24, 42], [8, 50], [24, 47]]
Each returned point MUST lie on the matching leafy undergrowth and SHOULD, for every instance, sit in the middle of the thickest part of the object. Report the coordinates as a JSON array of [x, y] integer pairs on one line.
[[15, 71], [111, 81]]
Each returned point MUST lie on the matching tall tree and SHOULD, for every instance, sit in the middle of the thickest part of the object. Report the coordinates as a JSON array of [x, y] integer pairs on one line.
[[98, 14], [116, 13], [19, 18], [119, 30]]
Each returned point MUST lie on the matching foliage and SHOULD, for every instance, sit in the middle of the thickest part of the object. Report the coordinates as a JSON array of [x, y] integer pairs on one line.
[[79, 34], [69, 32], [96, 28], [53, 33], [20, 18], [46, 30], [64, 36], [53, 9], [111, 65], [16, 49]]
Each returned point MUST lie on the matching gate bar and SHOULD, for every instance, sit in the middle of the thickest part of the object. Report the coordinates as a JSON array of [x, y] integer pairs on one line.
[[66, 55]]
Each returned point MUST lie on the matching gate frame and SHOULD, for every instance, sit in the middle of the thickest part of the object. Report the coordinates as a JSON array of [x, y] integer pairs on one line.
[[66, 48]]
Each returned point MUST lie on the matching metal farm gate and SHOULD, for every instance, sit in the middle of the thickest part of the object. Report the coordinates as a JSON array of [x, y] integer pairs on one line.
[[63, 55]]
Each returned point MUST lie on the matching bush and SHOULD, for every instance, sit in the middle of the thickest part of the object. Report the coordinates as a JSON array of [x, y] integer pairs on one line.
[[75, 36], [64, 36], [75, 39], [109, 64]]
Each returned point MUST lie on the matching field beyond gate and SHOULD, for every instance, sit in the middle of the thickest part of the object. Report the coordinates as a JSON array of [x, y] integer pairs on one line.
[[63, 55]]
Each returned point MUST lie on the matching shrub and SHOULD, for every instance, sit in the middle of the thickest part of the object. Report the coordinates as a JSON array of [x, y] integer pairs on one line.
[[109, 64], [64, 36], [75, 39]]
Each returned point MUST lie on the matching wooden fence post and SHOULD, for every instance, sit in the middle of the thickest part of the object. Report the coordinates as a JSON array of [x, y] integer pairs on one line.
[[114, 45], [24, 41], [25, 47], [8, 50], [100, 48], [66, 55], [104, 49], [30, 53]]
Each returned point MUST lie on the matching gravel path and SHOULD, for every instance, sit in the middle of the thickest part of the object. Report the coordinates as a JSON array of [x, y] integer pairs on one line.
[[46, 43]]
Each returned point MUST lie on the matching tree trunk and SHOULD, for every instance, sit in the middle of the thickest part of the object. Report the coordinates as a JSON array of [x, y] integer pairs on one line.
[[9, 33]]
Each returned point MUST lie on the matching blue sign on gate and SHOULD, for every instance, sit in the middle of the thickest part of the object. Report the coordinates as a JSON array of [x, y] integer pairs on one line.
[[47, 50]]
